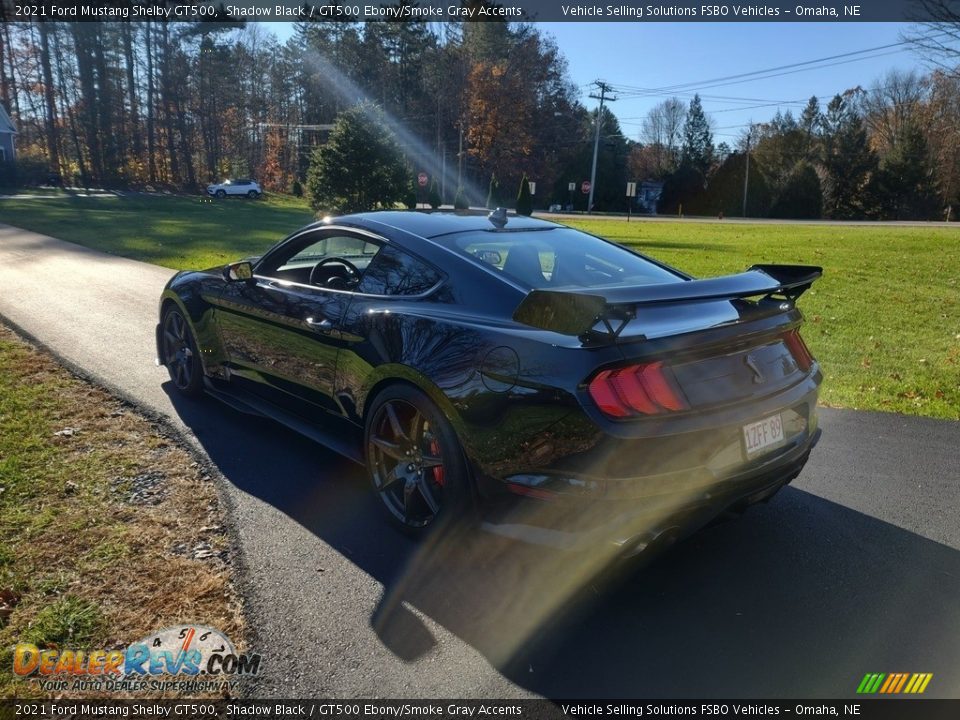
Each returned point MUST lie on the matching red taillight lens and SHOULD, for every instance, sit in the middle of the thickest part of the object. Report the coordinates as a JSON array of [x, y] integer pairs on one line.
[[647, 389], [798, 348]]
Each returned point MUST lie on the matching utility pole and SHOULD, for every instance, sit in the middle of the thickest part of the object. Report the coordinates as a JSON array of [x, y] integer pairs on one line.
[[746, 174], [604, 89]]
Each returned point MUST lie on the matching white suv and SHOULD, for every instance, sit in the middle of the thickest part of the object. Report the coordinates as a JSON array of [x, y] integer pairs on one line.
[[240, 186]]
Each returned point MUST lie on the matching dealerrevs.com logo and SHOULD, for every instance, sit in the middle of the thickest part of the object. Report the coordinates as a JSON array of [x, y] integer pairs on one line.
[[188, 658]]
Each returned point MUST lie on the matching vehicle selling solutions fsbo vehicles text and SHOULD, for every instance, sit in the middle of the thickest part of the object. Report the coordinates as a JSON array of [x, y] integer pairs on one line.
[[654, 12]]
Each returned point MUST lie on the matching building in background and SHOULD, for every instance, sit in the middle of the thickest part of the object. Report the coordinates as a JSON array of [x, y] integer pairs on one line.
[[7, 131]]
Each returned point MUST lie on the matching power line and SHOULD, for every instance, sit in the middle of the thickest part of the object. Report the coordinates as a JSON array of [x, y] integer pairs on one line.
[[690, 85]]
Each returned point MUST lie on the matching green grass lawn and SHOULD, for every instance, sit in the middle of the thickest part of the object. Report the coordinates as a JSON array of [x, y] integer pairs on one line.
[[177, 232], [884, 320]]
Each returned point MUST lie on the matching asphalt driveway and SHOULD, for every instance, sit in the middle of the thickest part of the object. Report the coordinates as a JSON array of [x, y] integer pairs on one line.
[[853, 569]]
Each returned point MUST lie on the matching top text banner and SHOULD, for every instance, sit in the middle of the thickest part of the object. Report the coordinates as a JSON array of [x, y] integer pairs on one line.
[[465, 11]]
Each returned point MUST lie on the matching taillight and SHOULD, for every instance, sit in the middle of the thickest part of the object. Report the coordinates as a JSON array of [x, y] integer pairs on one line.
[[647, 389], [798, 348]]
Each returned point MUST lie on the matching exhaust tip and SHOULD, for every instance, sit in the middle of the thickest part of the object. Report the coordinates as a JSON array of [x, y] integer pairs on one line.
[[650, 543]]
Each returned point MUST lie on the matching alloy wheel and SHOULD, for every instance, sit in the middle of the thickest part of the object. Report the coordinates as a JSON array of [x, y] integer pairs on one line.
[[406, 460], [178, 354]]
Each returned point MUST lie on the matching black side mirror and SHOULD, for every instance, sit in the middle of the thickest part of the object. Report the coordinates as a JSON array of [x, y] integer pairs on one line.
[[238, 272]]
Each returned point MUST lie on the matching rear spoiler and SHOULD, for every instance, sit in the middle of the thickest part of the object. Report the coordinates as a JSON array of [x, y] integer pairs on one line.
[[576, 311]]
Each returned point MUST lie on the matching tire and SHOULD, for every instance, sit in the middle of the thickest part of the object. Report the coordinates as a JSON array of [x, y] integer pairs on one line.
[[180, 355], [415, 462], [253, 194], [221, 194]]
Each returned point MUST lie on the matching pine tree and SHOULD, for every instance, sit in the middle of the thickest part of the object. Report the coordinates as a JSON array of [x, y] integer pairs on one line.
[[903, 187], [460, 201], [361, 167], [697, 138], [848, 160], [801, 197]]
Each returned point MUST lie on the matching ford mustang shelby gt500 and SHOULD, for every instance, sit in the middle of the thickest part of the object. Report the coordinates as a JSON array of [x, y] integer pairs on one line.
[[565, 387]]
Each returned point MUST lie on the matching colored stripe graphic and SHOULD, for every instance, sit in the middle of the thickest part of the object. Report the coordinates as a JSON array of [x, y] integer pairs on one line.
[[894, 683]]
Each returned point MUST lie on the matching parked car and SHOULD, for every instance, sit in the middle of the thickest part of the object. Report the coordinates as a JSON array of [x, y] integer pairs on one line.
[[240, 186], [569, 389]]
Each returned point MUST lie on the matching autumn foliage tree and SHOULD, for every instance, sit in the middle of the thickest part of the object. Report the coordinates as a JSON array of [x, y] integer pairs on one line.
[[499, 116]]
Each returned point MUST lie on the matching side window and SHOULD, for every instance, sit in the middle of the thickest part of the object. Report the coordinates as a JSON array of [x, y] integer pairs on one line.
[[298, 260], [345, 246], [394, 272]]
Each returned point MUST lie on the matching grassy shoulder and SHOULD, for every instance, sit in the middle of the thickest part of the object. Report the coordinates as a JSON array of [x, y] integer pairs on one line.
[[884, 320], [110, 530]]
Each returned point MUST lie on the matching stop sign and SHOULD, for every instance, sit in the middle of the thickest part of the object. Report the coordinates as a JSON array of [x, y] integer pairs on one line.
[[585, 187], [422, 179]]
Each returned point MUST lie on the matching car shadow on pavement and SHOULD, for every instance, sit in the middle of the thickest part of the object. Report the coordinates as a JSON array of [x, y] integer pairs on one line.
[[798, 598]]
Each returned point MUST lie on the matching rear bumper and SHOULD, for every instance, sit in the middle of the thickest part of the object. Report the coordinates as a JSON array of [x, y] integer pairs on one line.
[[634, 493]]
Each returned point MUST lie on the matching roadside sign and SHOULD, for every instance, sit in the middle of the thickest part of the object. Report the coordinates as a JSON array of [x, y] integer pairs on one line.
[[585, 187], [631, 189], [422, 179], [533, 187], [571, 186]]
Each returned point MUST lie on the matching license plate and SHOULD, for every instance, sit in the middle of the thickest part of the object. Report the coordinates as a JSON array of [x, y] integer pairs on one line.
[[762, 434]]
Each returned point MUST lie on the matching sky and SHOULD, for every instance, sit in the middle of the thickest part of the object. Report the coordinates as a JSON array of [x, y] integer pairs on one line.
[[659, 55]]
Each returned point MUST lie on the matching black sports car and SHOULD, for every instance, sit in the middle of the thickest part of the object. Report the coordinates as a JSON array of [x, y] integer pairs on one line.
[[568, 389]]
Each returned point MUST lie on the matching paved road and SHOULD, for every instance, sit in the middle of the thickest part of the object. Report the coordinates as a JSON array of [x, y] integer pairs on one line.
[[853, 569]]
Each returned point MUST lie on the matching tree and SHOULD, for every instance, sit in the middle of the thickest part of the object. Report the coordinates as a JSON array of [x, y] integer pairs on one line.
[[724, 193], [50, 118], [433, 196], [661, 132], [801, 197], [848, 160], [524, 198], [460, 201], [936, 37], [697, 138], [361, 166], [892, 104], [500, 115], [682, 190], [940, 122], [903, 188], [810, 123]]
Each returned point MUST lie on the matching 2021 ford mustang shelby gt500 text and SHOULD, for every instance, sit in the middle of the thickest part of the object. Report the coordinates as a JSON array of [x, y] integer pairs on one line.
[[568, 388]]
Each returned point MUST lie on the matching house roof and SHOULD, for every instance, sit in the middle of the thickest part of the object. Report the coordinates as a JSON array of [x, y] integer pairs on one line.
[[6, 124]]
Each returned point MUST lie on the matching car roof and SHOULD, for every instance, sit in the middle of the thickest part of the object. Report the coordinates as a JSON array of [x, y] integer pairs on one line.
[[435, 224]]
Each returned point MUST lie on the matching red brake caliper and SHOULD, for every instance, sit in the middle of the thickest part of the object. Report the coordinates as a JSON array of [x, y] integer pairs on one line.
[[438, 470]]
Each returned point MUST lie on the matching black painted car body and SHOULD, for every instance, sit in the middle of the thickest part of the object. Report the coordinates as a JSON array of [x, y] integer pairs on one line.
[[594, 394]]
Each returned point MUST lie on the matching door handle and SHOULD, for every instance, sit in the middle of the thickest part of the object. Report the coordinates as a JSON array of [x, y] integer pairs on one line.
[[322, 324]]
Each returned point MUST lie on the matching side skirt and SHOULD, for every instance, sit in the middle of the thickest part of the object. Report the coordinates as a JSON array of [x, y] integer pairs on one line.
[[341, 440]]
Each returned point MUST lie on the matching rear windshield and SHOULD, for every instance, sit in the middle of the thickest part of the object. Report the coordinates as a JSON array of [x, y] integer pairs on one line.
[[560, 257]]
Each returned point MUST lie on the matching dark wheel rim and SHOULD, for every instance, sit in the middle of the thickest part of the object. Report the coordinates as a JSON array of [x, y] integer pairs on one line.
[[178, 355], [252, 194], [221, 193], [407, 463]]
